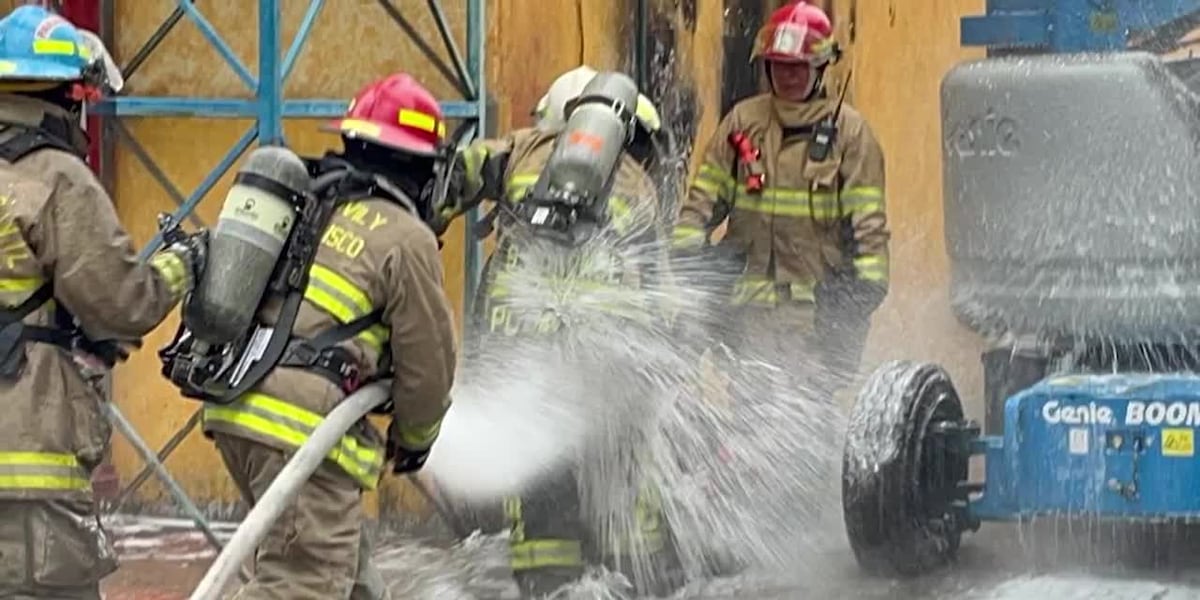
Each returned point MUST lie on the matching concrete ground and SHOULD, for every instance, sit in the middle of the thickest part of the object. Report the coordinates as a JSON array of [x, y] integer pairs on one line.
[[161, 559], [164, 560]]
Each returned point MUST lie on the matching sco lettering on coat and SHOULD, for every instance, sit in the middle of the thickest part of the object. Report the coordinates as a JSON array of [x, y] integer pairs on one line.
[[343, 237]]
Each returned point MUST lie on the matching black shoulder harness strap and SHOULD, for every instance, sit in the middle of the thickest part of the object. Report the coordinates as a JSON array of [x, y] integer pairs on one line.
[[57, 336], [51, 133], [35, 300]]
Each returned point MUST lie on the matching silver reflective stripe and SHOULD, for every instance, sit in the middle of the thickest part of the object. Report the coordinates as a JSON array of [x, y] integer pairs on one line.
[[249, 234]]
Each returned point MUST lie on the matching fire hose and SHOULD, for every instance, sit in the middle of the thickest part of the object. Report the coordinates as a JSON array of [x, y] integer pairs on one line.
[[285, 486]]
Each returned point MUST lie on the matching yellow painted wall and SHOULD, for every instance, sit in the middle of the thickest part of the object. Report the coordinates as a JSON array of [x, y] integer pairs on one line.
[[900, 52]]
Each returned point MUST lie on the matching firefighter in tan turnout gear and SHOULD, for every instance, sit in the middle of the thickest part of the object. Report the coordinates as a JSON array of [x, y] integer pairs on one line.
[[799, 177], [73, 291], [373, 307], [550, 543]]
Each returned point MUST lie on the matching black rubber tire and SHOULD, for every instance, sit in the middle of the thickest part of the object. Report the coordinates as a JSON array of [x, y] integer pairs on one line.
[[884, 504]]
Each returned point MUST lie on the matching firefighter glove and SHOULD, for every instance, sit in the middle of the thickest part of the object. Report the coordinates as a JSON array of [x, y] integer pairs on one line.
[[866, 295], [407, 461], [192, 249], [409, 447]]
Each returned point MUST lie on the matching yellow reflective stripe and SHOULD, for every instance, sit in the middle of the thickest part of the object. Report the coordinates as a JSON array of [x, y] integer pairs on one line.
[[871, 267], [327, 277], [540, 554], [292, 426], [622, 214], [335, 295], [418, 437], [791, 202], [473, 158], [755, 290], [375, 336], [788, 203], [863, 198], [60, 47], [715, 174], [423, 121], [173, 271], [512, 512], [761, 291], [708, 186], [649, 536], [516, 185], [685, 236], [20, 284], [647, 113], [802, 292], [42, 471]]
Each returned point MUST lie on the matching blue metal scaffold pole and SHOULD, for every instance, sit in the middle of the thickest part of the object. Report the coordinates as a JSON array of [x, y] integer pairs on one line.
[[269, 108]]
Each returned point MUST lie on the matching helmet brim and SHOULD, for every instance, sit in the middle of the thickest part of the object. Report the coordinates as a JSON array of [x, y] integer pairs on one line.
[[394, 138], [37, 70]]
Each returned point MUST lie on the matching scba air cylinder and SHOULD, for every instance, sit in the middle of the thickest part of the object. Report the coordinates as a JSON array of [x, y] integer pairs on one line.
[[258, 215], [598, 128]]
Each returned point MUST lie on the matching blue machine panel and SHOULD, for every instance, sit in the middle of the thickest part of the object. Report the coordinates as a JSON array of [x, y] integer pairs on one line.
[[1111, 445], [1069, 25]]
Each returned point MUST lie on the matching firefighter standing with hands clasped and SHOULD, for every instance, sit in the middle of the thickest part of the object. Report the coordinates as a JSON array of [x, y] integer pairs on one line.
[[799, 177]]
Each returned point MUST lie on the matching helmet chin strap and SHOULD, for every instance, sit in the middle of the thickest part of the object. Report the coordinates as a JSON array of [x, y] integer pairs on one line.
[[815, 82]]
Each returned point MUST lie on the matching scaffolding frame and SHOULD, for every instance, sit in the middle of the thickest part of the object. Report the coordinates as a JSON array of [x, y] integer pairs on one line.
[[268, 107]]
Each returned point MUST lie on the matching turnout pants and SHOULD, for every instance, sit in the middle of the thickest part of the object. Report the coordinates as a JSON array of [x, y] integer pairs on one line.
[[551, 542], [317, 549], [52, 549]]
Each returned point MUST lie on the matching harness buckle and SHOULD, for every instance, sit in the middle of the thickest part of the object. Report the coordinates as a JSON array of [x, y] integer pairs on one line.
[[351, 377], [305, 353]]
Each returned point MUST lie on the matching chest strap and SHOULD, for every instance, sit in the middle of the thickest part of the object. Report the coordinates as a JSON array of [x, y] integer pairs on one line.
[[14, 334], [322, 355]]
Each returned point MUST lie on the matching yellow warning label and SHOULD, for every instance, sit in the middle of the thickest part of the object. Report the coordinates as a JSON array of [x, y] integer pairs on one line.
[[1103, 21], [1178, 442]]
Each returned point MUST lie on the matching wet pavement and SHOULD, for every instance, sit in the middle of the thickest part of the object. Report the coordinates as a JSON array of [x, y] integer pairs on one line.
[[164, 560]]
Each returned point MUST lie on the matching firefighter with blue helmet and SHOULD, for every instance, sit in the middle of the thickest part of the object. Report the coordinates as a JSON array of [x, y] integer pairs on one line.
[[73, 294]]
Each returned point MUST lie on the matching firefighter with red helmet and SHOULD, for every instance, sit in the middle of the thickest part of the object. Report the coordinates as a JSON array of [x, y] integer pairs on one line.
[[799, 178], [378, 260]]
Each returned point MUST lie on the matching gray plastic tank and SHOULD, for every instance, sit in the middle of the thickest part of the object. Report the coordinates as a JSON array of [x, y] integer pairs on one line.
[[1071, 196], [587, 151]]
